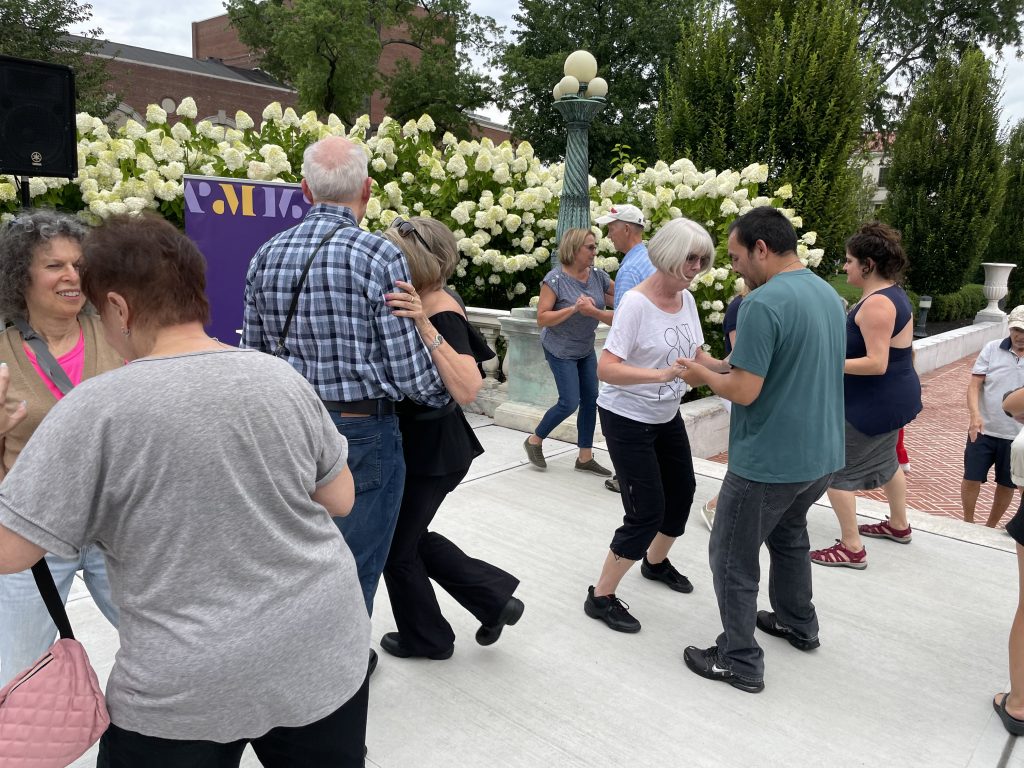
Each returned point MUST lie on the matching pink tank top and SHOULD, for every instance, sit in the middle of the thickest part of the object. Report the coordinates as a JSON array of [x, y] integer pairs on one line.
[[73, 364]]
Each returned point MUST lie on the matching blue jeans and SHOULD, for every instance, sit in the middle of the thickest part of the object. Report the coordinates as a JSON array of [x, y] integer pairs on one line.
[[748, 515], [378, 468], [26, 629], [577, 388]]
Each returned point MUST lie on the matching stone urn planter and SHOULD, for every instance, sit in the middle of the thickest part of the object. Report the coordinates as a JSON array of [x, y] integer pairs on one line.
[[996, 279]]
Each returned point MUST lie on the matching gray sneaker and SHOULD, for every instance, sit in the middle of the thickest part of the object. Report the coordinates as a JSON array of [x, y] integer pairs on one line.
[[612, 484], [535, 453], [592, 467]]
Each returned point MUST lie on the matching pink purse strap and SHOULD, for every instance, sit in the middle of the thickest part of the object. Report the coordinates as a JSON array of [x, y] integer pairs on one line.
[[51, 597]]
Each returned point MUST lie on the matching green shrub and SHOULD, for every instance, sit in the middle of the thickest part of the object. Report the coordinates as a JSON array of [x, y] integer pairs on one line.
[[960, 305]]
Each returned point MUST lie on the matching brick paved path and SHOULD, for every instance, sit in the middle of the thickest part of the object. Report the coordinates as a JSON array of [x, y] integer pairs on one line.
[[935, 442]]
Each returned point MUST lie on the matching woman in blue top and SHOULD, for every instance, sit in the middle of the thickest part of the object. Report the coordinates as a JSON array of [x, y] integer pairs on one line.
[[573, 298], [883, 393]]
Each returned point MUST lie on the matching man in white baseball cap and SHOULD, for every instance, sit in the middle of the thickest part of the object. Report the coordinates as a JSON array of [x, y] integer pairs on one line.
[[997, 370], [625, 227]]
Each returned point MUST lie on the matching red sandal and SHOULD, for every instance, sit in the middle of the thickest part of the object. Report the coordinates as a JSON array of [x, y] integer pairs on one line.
[[839, 555], [884, 530]]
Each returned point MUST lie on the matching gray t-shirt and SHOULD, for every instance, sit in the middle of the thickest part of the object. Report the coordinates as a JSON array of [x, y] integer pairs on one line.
[[240, 606], [573, 338]]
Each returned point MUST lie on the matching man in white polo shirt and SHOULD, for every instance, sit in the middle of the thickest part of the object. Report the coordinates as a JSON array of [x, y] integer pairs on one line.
[[998, 370]]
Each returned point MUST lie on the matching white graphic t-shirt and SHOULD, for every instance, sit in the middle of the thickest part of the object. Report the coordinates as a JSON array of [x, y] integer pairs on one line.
[[646, 337]]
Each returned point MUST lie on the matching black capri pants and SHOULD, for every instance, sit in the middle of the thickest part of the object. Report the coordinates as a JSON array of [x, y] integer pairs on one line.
[[656, 479]]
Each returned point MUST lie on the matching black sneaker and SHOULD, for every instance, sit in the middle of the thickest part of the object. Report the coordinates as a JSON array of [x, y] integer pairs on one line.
[[666, 573], [768, 622], [611, 611], [705, 663]]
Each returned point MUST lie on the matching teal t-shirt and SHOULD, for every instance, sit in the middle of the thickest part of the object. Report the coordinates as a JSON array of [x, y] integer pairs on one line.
[[792, 333]]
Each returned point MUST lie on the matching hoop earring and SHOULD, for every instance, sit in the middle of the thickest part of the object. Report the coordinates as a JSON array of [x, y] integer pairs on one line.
[[126, 331]]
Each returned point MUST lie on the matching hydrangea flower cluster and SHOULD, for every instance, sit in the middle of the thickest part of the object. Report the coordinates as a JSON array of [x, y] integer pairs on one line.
[[501, 201]]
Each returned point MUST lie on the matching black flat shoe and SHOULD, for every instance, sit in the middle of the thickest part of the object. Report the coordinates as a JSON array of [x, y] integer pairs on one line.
[[510, 614], [371, 666], [392, 643], [1012, 725]]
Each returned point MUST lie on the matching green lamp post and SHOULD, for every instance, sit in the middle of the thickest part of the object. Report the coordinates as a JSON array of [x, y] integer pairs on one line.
[[579, 96]]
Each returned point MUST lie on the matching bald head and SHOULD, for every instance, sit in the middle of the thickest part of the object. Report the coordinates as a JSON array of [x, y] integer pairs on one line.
[[334, 171]]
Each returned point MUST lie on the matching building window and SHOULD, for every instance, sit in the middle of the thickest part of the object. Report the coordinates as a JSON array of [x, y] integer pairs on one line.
[[883, 176]]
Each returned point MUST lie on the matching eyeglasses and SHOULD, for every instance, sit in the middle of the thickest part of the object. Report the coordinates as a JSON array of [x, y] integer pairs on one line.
[[406, 228], [705, 261]]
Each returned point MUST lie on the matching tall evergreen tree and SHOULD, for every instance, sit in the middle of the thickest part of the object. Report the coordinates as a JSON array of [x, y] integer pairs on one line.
[[946, 181], [1004, 246], [791, 93]]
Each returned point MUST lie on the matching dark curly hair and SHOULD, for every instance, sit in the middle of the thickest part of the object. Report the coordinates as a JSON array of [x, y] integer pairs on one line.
[[881, 244], [19, 239]]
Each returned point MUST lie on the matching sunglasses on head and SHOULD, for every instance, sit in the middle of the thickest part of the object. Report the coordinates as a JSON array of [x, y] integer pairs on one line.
[[406, 228]]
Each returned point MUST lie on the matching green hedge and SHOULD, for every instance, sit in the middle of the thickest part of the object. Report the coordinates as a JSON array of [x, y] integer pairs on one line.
[[962, 304]]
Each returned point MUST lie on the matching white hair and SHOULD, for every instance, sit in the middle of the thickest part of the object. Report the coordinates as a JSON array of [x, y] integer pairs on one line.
[[677, 240], [333, 175]]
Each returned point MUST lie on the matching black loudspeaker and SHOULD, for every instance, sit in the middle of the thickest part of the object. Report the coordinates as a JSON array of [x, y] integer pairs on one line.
[[37, 119]]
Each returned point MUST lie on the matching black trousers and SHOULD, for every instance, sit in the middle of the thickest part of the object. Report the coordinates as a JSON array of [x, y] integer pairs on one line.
[[418, 555], [336, 741], [656, 479]]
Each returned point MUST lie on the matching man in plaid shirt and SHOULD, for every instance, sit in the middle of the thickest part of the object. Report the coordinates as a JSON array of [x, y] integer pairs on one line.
[[344, 339]]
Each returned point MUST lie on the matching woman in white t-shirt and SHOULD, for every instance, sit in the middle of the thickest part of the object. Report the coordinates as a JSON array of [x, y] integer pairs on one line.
[[655, 326]]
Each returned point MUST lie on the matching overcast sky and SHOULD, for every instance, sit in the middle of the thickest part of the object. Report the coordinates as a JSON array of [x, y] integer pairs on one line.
[[167, 27]]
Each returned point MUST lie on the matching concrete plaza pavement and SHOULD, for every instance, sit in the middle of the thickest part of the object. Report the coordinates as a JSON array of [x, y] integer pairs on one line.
[[912, 648]]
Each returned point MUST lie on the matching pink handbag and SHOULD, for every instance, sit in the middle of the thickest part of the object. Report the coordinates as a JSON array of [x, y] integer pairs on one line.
[[54, 711]]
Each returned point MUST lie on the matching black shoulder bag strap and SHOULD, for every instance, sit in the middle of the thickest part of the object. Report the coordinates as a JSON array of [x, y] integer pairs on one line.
[[279, 349], [46, 360], [41, 571], [48, 590]]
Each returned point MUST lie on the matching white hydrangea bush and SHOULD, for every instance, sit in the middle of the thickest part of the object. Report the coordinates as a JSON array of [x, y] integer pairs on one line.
[[501, 201]]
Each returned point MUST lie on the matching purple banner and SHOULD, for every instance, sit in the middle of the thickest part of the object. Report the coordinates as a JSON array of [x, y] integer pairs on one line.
[[229, 219]]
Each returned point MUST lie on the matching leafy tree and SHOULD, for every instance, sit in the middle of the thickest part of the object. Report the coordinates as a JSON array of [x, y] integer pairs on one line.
[[632, 41], [946, 181], [330, 51], [1004, 246], [38, 29], [793, 96]]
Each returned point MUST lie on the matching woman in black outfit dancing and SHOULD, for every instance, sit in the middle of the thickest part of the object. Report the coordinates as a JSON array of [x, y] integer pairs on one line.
[[439, 446]]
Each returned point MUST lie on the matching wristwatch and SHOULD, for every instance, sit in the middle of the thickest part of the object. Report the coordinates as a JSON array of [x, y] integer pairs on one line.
[[437, 342]]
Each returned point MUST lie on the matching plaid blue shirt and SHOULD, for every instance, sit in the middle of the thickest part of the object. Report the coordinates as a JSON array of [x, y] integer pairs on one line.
[[343, 338]]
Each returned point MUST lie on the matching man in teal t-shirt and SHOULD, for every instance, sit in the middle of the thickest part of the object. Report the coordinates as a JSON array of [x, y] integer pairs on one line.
[[786, 438]]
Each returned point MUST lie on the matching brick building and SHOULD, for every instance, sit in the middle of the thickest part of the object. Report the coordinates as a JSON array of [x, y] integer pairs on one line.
[[143, 77], [216, 39]]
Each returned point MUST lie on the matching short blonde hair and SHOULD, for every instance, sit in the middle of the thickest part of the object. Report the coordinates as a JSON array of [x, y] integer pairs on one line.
[[572, 240], [432, 260], [676, 241]]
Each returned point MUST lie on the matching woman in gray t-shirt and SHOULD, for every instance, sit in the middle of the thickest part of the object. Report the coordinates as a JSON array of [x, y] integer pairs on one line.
[[573, 298], [207, 476]]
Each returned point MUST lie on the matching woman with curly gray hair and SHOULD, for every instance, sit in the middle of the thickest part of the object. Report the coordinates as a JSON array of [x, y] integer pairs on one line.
[[41, 294]]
